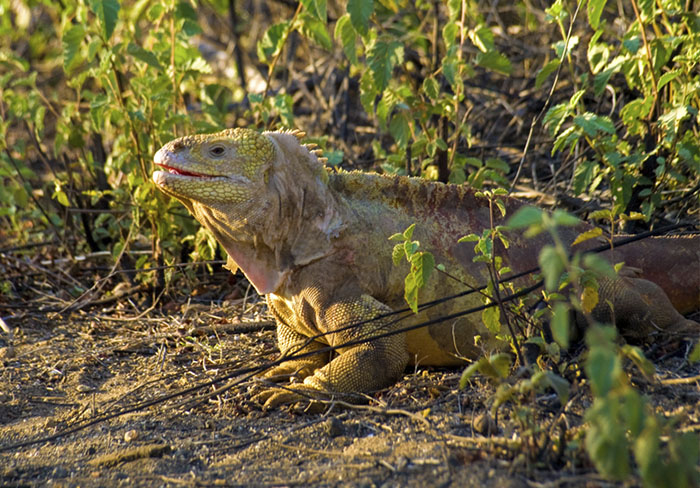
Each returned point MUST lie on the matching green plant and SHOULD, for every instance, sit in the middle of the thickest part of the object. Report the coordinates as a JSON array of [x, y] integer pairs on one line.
[[621, 423], [126, 71], [645, 143], [422, 264]]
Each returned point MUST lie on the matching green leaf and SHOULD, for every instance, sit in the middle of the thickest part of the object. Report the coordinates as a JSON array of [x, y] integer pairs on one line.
[[589, 296], [397, 253], [482, 38], [491, 317], [603, 367], [469, 238], [272, 41], [546, 70], [410, 248], [595, 8], [449, 34], [667, 77], [599, 265], [646, 9], [348, 37], [564, 219], [633, 114], [422, 264], [556, 12], [636, 355], [525, 217], [142, 55], [399, 129], [552, 267], [583, 175], [501, 362], [592, 123], [485, 246], [494, 61], [431, 87], [559, 46], [382, 56], [589, 234], [694, 355], [606, 441], [496, 366], [597, 53], [647, 455], [670, 121], [470, 371], [186, 13], [502, 208], [107, 11], [498, 164], [368, 92], [360, 12], [71, 45], [602, 78], [560, 324], [317, 8], [450, 68], [61, 196], [559, 385], [314, 29]]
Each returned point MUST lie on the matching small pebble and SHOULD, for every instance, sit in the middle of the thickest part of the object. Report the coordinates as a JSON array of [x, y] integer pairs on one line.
[[131, 435], [333, 427], [484, 424], [7, 353]]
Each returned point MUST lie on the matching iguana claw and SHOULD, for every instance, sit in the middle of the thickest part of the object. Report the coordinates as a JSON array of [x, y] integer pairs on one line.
[[303, 396]]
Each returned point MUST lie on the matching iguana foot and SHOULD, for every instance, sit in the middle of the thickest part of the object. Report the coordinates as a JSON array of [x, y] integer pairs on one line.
[[295, 394], [291, 369], [304, 398]]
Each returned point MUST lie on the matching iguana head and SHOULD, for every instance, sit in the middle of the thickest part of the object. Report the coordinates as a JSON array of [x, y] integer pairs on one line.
[[216, 170], [262, 195]]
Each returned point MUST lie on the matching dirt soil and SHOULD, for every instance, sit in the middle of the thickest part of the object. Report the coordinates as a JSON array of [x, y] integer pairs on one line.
[[77, 370]]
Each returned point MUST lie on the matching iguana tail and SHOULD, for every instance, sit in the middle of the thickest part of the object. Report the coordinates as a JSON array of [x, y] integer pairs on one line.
[[673, 263]]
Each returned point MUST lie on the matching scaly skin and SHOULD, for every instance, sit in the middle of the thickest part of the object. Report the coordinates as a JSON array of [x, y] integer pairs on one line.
[[316, 243]]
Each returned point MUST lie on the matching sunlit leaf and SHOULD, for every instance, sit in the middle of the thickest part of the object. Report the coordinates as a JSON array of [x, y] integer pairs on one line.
[[560, 324], [107, 11], [360, 12], [595, 8]]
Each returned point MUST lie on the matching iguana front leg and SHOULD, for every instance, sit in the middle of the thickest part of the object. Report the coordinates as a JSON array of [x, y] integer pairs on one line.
[[292, 343], [358, 368]]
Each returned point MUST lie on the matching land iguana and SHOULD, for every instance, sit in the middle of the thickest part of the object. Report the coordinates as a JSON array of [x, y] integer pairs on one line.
[[315, 242]]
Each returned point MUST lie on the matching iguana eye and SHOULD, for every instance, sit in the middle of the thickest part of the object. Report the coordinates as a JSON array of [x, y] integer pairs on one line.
[[216, 151]]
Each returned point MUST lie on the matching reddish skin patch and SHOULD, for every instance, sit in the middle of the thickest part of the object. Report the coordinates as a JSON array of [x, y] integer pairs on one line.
[[177, 171]]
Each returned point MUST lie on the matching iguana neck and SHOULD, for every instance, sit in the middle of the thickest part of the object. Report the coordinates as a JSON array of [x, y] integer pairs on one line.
[[291, 224]]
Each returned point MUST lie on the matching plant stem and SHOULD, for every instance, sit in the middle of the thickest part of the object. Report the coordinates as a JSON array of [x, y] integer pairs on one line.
[[279, 51], [650, 59]]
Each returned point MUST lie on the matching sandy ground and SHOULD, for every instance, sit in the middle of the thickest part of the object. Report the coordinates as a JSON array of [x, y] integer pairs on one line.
[[74, 371]]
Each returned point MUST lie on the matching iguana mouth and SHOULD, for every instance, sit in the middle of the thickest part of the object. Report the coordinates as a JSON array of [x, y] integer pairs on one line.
[[181, 172]]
